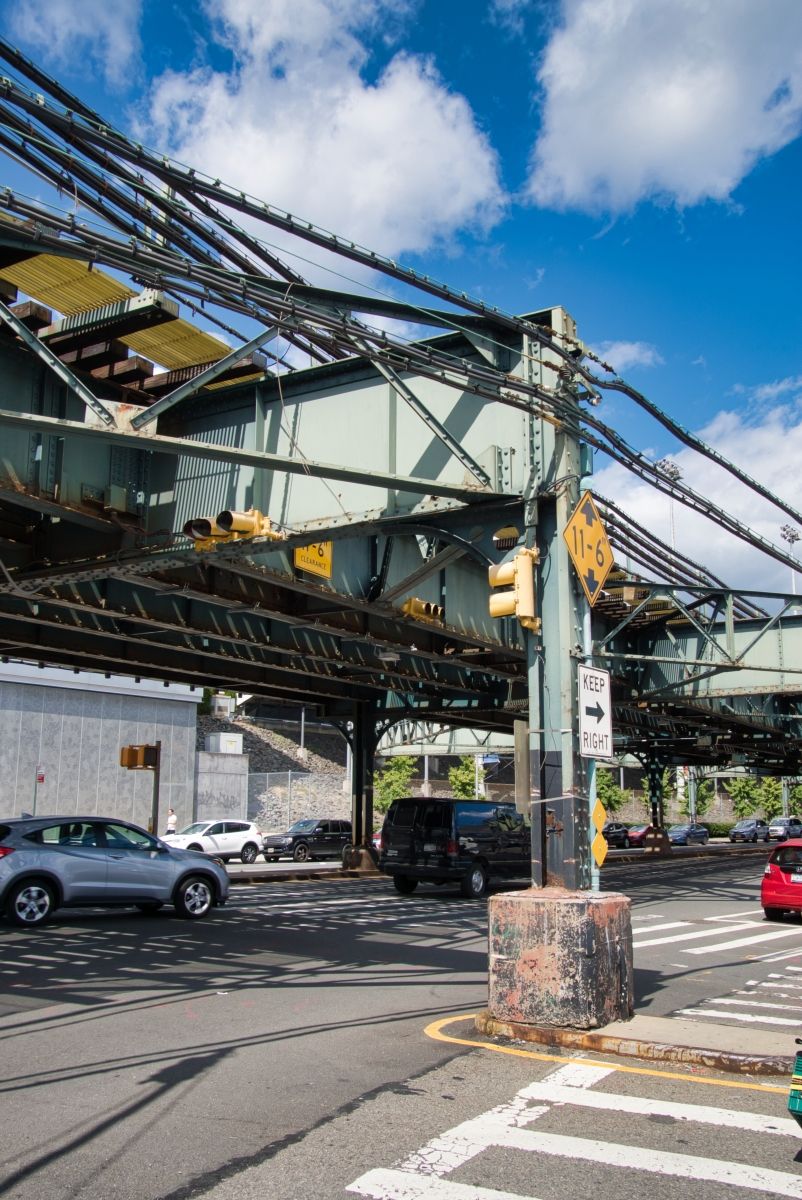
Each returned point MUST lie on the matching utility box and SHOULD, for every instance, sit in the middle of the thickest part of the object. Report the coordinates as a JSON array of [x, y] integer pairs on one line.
[[224, 743], [221, 705]]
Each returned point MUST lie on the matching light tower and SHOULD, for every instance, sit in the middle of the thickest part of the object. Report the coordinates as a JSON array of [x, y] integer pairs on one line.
[[670, 468], [790, 535]]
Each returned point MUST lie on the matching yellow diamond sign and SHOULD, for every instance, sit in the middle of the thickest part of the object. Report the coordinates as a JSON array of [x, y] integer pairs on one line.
[[599, 844], [586, 539]]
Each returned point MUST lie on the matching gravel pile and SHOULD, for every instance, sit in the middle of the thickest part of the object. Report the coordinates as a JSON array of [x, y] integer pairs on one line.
[[273, 750]]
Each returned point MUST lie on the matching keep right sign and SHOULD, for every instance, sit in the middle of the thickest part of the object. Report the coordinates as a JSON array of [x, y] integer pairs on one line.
[[595, 713]]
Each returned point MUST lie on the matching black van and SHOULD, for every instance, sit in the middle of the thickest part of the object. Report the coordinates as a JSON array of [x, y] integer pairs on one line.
[[454, 841]]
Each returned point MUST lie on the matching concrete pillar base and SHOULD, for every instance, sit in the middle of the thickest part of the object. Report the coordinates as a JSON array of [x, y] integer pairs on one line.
[[560, 958], [359, 858]]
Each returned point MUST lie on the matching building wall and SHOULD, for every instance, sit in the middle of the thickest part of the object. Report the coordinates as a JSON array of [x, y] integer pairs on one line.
[[71, 730]]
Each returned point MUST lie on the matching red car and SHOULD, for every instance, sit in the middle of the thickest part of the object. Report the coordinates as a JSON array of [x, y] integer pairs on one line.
[[781, 889], [637, 834]]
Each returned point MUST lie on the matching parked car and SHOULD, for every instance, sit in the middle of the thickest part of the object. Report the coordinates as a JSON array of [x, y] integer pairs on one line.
[[782, 828], [53, 862], [781, 887], [637, 834], [616, 834], [752, 829], [689, 834], [376, 840], [468, 842], [224, 839], [309, 839]]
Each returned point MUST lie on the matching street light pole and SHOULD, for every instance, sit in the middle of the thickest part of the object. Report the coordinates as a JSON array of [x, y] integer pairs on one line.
[[790, 535]]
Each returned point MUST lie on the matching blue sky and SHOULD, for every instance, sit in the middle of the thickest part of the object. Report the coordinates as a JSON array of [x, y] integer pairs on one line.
[[638, 163]]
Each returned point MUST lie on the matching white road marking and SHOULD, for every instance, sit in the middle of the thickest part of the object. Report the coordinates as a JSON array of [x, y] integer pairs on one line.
[[402, 1185], [749, 941], [421, 1175], [747, 912], [747, 1018], [687, 937], [668, 925], [760, 1003]]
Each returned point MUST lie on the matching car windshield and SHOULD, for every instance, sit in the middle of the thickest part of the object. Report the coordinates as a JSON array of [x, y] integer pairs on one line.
[[744, 825], [678, 828], [197, 827], [302, 826]]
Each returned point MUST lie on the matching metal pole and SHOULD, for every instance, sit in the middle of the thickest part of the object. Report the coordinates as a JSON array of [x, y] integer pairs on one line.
[[590, 763], [154, 809], [303, 728]]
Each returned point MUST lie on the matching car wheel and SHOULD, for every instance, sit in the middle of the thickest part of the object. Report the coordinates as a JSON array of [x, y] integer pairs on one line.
[[149, 907], [301, 852], [626, 843], [404, 884], [194, 897], [195, 846], [773, 914], [248, 853], [474, 882], [30, 903]]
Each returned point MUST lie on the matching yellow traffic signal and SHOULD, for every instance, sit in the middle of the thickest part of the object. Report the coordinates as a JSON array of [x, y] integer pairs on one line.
[[422, 610], [229, 526], [517, 574]]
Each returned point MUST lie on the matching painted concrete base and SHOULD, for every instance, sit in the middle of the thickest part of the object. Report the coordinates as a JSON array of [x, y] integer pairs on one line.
[[560, 958]]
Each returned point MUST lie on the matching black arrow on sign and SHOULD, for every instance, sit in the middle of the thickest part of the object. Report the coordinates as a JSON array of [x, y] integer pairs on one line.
[[588, 513], [597, 711], [591, 582]]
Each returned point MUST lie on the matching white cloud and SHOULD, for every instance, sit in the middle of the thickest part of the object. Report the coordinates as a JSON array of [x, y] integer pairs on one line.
[[396, 163], [92, 32], [669, 100], [768, 448], [623, 355]]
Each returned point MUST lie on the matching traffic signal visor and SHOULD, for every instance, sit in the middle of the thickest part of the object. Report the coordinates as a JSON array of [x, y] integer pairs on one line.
[[517, 575]]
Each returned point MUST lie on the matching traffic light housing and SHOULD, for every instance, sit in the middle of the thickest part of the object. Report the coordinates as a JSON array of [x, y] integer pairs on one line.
[[422, 610], [229, 526], [519, 598], [139, 758]]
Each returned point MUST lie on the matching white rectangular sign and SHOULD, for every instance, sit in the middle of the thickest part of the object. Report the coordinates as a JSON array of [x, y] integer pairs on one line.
[[595, 713]]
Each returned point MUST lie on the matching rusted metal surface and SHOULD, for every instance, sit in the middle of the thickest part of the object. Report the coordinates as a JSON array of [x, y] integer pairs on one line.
[[599, 1041], [560, 958]]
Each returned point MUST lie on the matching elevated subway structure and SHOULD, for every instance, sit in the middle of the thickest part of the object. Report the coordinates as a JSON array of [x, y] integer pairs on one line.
[[393, 473]]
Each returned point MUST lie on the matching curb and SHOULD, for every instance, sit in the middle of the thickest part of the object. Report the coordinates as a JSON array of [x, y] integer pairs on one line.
[[632, 1047]]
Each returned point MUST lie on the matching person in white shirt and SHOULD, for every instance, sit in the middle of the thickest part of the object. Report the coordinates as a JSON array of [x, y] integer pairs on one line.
[[172, 820]]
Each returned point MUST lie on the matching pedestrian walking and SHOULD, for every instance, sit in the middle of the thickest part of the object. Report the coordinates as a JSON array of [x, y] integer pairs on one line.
[[172, 820]]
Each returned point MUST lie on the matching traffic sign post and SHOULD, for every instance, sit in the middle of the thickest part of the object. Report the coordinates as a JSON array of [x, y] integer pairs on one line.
[[586, 539]]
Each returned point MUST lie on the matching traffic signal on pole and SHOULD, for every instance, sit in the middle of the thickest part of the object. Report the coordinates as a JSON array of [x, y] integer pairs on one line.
[[138, 758], [229, 526], [422, 610], [517, 576]]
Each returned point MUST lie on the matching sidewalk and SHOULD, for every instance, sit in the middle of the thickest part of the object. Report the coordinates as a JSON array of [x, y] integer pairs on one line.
[[664, 1039]]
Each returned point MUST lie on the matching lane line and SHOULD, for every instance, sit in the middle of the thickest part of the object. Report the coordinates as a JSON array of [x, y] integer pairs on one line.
[[747, 1018], [687, 937], [385, 1184]]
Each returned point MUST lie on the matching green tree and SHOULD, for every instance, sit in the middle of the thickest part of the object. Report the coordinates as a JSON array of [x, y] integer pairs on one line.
[[705, 794], [608, 791], [393, 781], [462, 778], [771, 797], [744, 794], [796, 797]]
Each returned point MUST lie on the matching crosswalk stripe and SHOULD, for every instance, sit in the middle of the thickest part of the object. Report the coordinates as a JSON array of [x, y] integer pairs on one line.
[[713, 931], [749, 941], [404, 1185], [747, 1018]]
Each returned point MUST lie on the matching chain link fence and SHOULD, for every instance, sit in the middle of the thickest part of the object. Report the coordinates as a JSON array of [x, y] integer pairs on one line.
[[278, 798]]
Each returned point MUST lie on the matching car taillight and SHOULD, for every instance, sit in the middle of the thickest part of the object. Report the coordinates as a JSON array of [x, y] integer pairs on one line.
[[4, 850], [451, 846]]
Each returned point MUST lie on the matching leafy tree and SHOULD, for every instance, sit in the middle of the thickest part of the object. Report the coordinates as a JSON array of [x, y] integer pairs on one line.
[[705, 794], [744, 794], [462, 778], [796, 797], [608, 791], [393, 781], [771, 797]]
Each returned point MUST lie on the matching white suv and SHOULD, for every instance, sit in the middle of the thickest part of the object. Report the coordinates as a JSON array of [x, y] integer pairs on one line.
[[225, 839]]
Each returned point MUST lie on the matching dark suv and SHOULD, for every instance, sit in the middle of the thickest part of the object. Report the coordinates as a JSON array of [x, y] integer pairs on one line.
[[454, 841], [309, 839]]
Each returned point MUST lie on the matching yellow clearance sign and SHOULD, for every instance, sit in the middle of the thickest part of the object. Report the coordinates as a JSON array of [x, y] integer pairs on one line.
[[315, 558], [586, 539]]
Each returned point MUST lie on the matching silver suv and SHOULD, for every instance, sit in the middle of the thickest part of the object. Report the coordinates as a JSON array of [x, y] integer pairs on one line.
[[52, 862]]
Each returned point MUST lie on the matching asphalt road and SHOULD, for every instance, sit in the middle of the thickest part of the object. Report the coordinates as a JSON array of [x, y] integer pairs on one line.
[[280, 1045]]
